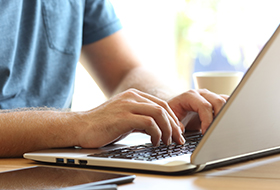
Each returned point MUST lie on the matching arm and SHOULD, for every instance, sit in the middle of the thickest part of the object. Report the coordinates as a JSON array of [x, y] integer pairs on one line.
[[114, 66], [122, 70], [132, 110], [23, 131]]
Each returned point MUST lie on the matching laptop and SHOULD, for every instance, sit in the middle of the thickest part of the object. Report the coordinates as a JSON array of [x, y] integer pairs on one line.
[[248, 126]]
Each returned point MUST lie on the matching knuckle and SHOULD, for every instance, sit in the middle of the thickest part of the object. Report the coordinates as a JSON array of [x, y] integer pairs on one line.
[[189, 94], [192, 91], [123, 103], [130, 92], [149, 121], [204, 91], [159, 111], [164, 104], [220, 100], [207, 105]]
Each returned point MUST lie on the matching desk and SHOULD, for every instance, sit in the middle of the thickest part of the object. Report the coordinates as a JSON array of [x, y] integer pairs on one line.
[[262, 173]]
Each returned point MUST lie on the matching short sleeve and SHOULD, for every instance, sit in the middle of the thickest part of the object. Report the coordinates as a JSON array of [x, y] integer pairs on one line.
[[100, 20]]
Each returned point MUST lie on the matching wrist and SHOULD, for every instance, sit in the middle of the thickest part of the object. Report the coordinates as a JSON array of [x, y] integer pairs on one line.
[[74, 126]]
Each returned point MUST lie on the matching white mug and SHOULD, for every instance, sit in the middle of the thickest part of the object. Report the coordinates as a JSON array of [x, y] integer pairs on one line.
[[217, 81]]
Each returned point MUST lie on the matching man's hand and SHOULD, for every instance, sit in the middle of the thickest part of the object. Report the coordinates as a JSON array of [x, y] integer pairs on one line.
[[136, 111], [130, 111], [199, 106]]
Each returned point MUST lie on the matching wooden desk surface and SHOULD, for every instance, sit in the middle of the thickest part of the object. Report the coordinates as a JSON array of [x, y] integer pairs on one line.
[[262, 173]]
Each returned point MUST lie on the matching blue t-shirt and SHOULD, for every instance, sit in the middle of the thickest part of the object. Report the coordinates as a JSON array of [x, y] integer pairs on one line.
[[40, 44]]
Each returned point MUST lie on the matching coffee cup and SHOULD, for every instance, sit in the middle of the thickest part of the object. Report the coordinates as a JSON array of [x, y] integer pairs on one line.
[[217, 81]]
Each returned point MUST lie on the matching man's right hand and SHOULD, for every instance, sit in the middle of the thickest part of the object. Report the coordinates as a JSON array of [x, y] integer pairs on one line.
[[130, 111]]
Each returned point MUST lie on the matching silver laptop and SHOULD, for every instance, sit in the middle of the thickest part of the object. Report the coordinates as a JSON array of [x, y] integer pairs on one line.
[[248, 126]]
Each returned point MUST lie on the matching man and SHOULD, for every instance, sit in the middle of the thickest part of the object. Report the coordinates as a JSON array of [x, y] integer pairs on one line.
[[40, 45]]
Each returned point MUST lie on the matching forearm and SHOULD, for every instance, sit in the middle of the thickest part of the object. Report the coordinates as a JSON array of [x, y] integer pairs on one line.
[[24, 131], [143, 80], [115, 67]]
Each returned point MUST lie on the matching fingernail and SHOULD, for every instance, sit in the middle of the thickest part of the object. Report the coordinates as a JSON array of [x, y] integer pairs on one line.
[[182, 140], [158, 143], [202, 131], [182, 131], [169, 141]]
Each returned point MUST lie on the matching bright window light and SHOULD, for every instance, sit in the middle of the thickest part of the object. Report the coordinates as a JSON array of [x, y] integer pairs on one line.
[[175, 38]]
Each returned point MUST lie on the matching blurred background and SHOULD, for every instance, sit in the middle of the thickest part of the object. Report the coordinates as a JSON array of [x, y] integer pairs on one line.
[[175, 38]]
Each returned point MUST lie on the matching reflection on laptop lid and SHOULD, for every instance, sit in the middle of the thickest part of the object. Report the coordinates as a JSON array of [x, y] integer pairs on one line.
[[246, 127]]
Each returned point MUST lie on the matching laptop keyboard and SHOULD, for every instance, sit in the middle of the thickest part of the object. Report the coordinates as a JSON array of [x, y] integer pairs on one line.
[[148, 152]]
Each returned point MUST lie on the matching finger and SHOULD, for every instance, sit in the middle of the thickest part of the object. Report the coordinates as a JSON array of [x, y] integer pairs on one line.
[[147, 125], [161, 103], [177, 135], [224, 96], [174, 122], [215, 100], [193, 101], [160, 116]]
